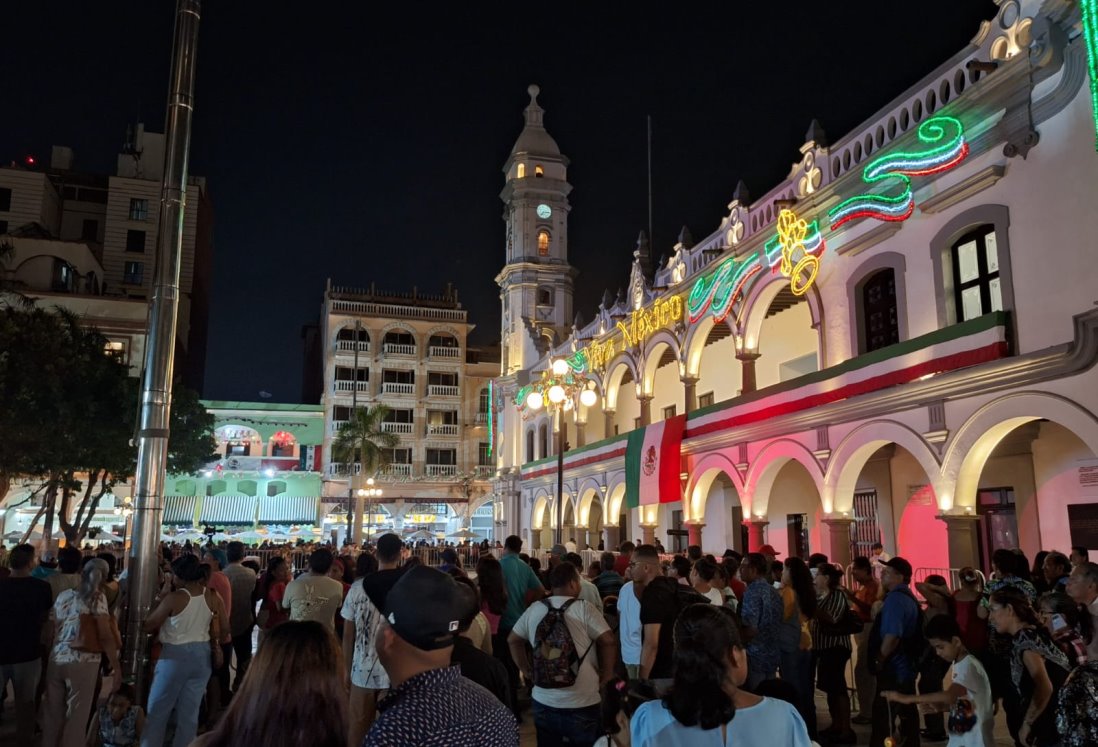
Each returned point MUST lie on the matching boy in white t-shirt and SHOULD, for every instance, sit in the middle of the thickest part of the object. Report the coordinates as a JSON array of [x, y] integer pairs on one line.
[[971, 722]]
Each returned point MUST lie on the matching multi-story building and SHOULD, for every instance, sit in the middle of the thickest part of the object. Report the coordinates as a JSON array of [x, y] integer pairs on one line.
[[896, 343], [116, 218], [410, 353]]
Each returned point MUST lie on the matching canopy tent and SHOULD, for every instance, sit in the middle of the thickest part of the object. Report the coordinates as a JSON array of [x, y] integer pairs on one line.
[[465, 534]]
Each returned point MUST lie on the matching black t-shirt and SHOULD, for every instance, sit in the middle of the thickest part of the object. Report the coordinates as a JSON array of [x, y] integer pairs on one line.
[[660, 606], [483, 669], [24, 605], [378, 585]]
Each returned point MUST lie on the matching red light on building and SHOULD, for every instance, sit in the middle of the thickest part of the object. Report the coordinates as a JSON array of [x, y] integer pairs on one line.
[[29, 160]]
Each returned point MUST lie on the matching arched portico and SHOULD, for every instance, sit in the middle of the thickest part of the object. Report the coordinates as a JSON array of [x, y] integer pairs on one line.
[[766, 466], [849, 459]]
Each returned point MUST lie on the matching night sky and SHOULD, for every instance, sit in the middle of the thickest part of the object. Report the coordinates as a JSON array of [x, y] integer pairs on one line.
[[364, 141]]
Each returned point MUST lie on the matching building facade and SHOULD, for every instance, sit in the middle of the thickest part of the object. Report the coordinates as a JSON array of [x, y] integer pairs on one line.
[[116, 218], [896, 343], [410, 353]]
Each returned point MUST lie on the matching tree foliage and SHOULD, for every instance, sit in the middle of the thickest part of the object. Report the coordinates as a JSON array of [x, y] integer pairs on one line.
[[362, 439], [68, 413]]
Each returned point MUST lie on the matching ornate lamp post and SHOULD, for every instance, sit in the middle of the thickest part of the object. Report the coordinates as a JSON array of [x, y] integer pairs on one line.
[[369, 493], [558, 391]]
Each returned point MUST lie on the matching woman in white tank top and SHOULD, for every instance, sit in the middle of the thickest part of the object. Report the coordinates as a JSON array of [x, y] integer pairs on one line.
[[189, 621]]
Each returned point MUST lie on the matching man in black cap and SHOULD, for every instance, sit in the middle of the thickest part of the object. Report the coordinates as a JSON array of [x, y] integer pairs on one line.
[[430, 702], [894, 644]]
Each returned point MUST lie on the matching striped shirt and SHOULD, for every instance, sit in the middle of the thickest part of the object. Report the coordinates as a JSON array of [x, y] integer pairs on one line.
[[835, 605]]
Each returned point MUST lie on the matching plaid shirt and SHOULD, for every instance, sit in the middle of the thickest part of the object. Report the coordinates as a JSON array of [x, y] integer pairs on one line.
[[440, 708]]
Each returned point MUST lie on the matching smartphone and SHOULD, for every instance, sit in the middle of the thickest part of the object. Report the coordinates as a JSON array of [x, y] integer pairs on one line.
[[1057, 623]]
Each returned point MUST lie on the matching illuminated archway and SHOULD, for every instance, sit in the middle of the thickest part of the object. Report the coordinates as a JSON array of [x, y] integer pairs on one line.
[[849, 459], [766, 466]]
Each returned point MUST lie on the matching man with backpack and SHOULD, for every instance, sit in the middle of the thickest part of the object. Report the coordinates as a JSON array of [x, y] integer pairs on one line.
[[896, 644], [566, 673], [661, 600]]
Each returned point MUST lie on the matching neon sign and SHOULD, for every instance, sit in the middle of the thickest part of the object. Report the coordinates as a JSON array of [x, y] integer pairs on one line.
[[642, 324], [946, 135], [795, 251], [1090, 33]]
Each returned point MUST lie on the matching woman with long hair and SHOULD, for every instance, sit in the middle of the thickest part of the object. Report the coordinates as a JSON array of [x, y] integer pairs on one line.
[[1037, 668], [291, 695], [795, 639], [493, 595], [706, 706], [966, 603], [189, 622], [831, 651], [73, 673]]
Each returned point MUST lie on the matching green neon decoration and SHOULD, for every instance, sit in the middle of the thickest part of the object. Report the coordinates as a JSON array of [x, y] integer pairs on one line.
[[491, 409], [1090, 34]]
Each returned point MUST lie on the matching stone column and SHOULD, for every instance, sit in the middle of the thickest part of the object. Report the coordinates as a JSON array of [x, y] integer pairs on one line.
[[694, 533], [608, 416], [648, 534], [690, 386], [747, 366], [755, 538], [611, 537], [645, 409], [581, 435], [963, 534], [838, 536]]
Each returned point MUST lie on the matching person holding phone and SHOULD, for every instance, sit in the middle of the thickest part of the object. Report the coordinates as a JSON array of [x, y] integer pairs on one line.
[[1070, 630]]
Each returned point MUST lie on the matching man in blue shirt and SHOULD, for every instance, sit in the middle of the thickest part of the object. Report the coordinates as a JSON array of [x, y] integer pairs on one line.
[[896, 634], [522, 586], [761, 612]]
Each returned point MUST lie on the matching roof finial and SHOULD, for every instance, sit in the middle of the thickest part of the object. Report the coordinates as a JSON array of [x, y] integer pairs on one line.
[[533, 90]]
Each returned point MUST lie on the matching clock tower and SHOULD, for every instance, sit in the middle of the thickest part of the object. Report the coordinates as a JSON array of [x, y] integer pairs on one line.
[[536, 281]]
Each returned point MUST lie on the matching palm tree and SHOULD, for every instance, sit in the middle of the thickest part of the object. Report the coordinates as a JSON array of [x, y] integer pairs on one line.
[[362, 439]]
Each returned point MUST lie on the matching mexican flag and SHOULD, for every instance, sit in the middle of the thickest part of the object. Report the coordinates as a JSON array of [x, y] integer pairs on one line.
[[652, 463]]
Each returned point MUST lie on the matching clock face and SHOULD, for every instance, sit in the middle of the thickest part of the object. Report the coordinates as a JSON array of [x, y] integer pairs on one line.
[[544, 211]]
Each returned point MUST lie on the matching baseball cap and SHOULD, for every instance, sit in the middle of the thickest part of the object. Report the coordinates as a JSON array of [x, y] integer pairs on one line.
[[767, 550], [425, 608], [900, 565], [558, 550]]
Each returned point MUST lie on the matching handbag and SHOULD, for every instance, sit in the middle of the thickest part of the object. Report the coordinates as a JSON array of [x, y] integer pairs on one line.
[[87, 638]]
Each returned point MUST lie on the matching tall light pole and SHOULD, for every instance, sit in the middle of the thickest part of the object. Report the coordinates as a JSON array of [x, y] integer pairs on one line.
[[152, 435], [557, 390], [369, 493]]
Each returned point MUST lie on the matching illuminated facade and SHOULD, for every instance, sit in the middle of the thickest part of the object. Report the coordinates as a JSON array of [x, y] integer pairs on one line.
[[896, 343]]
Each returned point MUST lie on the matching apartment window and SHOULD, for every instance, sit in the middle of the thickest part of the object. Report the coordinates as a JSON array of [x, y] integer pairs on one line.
[[543, 243], [341, 412], [62, 276], [881, 322], [545, 296], [398, 416], [484, 455], [133, 273], [705, 400], [539, 171], [116, 349], [483, 401], [89, 230], [442, 379], [669, 412], [442, 417], [5, 199], [976, 286], [530, 445], [3, 227], [135, 241], [397, 456], [442, 456], [139, 209], [390, 376], [348, 374]]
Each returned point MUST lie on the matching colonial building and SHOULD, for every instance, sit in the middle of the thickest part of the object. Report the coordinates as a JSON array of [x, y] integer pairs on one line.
[[410, 353], [896, 343], [115, 218]]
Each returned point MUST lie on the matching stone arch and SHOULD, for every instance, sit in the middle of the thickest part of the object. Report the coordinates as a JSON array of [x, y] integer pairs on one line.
[[540, 512], [346, 331], [758, 301], [479, 501], [766, 466], [694, 343], [615, 497], [970, 447], [703, 473], [590, 492], [615, 371], [400, 327], [653, 352], [850, 457]]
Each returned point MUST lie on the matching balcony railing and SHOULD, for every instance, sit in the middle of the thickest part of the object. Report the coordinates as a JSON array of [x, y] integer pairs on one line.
[[341, 385], [442, 429], [438, 351], [402, 428], [482, 418], [392, 348], [442, 390], [337, 424], [348, 346], [441, 470], [485, 471], [394, 310], [396, 470], [338, 469], [396, 387]]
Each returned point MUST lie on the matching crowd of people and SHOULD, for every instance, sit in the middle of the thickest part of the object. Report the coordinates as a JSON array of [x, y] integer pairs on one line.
[[638, 648]]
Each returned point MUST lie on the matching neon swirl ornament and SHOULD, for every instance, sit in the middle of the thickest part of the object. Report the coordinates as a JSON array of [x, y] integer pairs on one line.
[[715, 293], [946, 138], [1090, 34], [491, 416], [577, 361], [795, 251]]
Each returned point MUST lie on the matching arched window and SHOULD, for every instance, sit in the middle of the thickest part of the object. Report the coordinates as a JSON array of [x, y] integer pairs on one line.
[[543, 438], [976, 286], [543, 243], [539, 171], [881, 322], [545, 296], [530, 445], [520, 172]]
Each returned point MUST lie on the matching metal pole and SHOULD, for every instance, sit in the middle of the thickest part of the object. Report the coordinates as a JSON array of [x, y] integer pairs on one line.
[[152, 437], [352, 526], [560, 475]]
